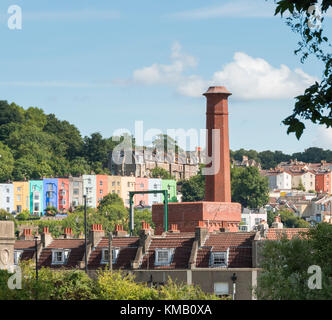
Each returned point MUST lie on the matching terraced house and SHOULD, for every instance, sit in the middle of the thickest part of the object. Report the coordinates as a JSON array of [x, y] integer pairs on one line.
[[208, 259]]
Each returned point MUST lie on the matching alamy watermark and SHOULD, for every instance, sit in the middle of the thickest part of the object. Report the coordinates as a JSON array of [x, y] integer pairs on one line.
[[15, 18], [168, 150]]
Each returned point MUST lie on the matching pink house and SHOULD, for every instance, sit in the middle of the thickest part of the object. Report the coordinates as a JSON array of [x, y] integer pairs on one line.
[[141, 184]]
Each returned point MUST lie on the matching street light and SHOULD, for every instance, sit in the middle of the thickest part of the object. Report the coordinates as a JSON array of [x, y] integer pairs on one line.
[[234, 278]]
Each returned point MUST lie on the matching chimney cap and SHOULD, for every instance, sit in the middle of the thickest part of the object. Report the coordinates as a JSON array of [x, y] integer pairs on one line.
[[217, 89]]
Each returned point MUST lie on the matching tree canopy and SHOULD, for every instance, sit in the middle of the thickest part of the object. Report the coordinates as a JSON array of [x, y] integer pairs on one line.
[[306, 18]]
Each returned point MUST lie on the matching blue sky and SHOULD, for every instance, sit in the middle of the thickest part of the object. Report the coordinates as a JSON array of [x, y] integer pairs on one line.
[[104, 64]]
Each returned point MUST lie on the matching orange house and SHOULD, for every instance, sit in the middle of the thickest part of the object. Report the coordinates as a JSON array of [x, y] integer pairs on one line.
[[63, 194], [141, 184], [101, 187], [323, 182]]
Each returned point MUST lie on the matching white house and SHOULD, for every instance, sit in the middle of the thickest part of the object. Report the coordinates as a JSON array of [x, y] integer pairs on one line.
[[280, 180], [7, 197], [252, 218], [90, 189], [155, 184]]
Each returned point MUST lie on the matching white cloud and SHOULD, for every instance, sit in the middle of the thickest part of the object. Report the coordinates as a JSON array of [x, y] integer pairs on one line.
[[254, 78], [166, 73], [231, 9], [247, 77], [323, 138]]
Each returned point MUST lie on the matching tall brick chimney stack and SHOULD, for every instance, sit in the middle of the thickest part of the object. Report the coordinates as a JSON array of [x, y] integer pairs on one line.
[[218, 185]]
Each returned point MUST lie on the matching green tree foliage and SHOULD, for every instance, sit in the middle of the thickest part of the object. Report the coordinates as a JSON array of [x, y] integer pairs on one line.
[[76, 285], [193, 189], [315, 104], [290, 220], [160, 173], [34, 144], [285, 266], [248, 187], [300, 187]]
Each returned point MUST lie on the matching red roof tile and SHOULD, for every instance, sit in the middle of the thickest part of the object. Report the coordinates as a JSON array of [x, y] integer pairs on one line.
[[275, 234]]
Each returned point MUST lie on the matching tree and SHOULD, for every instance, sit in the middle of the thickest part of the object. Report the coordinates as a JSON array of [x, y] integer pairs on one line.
[[300, 187], [6, 163], [290, 220], [249, 188], [160, 173], [315, 104], [285, 264], [193, 189]]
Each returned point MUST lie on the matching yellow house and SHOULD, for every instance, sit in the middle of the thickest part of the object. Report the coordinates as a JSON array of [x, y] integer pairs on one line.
[[21, 196], [306, 178], [121, 186]]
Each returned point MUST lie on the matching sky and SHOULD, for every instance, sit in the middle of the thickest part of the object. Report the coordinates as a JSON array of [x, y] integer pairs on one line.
[[102, 65]]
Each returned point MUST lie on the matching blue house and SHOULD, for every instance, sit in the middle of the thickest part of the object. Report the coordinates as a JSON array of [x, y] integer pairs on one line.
[[50, 192]]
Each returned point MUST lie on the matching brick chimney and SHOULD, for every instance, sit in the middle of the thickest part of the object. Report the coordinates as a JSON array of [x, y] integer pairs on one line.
[[174, 228], [201, 233], [96, 234], [218, 185], [27, 234], [46, 237], [68, 233], [277, 224], [119, 232], [145, 235]]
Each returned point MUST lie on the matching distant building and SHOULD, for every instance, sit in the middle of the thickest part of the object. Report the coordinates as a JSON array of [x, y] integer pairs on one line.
[[155, 184], [50, 190], [121, 186], [21, 196], [75, 192], [140, 163], [101, 187], [89, 189], [7, 197], [170, 186], [63, 201], [279, 180], [323, 182], [306, 178], [252, 218], [36, 197], [246, 162], [141, 184]]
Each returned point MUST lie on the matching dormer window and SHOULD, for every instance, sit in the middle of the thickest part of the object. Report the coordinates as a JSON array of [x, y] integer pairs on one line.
[[163, 257], [17, 256], [219, 259], [105, 255], [60, 256]]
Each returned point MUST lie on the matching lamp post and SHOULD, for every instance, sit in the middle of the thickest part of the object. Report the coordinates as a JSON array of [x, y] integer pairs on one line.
[[234, 278], [36, 252], [85, 235]]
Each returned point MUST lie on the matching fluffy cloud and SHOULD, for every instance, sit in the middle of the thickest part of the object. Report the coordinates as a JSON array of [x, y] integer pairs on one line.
[[162, 73], [247, 77], [254, 78]]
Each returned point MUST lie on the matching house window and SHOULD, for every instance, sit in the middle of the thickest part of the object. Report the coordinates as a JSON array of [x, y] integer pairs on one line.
[[18, 208], [18, 197], [105, 255], [7, 199], [76, 183], [60, 256], [219, 259], [221, 289], [62, 185], [113, 191], [36, 195], [7, 190], [257, 220], [163, 257], [118, 183], [113, 183], [142, 185], [19, 189], [17, 256], [100, 182], [36, 207], [101, 191], [76, 191]]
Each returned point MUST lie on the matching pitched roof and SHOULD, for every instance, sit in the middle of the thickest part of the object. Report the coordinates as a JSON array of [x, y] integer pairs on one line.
[[238, 243], [275, 234], [76, 254], [182, 245], [128, 248], [28, 247]]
